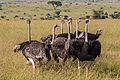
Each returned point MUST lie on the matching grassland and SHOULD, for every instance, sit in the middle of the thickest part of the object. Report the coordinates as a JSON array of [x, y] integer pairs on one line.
[[13, 65]]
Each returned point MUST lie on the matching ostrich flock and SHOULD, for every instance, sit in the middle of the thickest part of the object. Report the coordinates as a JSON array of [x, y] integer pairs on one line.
[[82, 46]]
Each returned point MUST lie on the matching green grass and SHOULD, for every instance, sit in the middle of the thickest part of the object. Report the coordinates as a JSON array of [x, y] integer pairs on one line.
[[13, 65]]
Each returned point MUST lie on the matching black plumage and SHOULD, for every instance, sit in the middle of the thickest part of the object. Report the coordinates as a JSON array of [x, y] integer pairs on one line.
[[65, 35], [84, 49], [90, 35]]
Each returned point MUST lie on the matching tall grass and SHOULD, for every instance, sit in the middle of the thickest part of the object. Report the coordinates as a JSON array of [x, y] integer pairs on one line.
[[13, 65]]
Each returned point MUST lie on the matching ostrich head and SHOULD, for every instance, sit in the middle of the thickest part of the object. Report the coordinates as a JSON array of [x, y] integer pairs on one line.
[[86, 21], [55, 26], [62, 21], [46, 38], [99, 32], [28, 21], [17, 48], [70, 19], [78, 21], [20, 46]]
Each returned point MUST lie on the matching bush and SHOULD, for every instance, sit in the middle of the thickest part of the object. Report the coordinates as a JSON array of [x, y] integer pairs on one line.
[[7, 19], [87, 17], [66, 10], [65, 17], [42, 18], [3, 17], [99, 14], [82, 18], [103, 17], [22, 18], [115, 15], [57, 13], [89, 4], [16, 16], [35, 15]]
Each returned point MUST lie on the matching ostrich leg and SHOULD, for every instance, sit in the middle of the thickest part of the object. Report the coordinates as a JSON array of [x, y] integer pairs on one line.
[[33, 64], [79, 66], [87, 68]]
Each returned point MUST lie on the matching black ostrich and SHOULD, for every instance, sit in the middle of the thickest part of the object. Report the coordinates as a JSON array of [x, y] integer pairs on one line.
[[90, 50], [90, 35], [58, 47], [33, 51], [84, 49]]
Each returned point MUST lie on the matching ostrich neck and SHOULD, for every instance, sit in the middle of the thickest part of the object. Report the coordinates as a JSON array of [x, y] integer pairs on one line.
[[61, 28], [86, 30], [29, 33], [71, 27], [53, 34], [68, 31], [76, 30]]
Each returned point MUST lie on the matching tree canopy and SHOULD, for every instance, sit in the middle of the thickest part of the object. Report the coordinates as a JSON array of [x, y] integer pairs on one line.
[[55, 4]]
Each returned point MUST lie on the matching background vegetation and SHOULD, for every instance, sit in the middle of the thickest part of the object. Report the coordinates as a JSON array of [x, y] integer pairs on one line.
[[46, 11]]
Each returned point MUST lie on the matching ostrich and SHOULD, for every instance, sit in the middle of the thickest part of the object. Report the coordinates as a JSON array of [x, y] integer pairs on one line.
[[90, 35], [91, 48], [84, 49], [58, 47], [33, 51]]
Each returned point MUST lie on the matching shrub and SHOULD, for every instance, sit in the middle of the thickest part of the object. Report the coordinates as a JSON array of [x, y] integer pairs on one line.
[[42, 18], [22, 18], [3, 17], [115, 15], [82, 18], [87, 17], [16, 16], [35, 15], [7, 19], [65, 17]]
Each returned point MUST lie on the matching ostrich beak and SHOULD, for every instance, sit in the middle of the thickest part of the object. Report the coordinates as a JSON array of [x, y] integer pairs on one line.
[[14, 49]]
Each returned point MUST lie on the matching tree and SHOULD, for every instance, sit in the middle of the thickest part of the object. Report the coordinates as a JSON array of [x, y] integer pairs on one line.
[[57, 14], [55, 4]]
